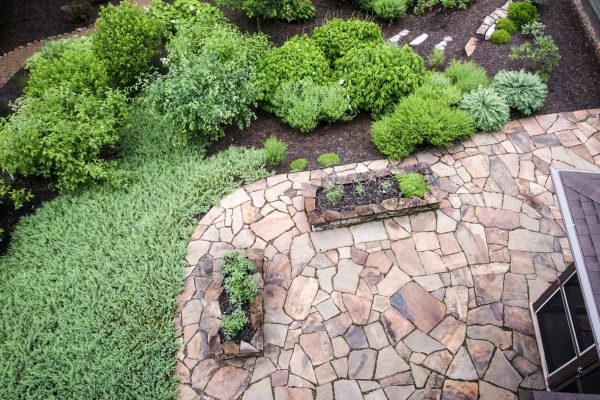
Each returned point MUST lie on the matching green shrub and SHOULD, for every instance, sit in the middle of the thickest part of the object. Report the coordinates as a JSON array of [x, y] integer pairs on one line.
[[507, 25], [303, 104], [412, 185], [500, 36], [125, 40], [338, 36], [238, 281], [299, 164], [436, 58], [333, 194], [275, 150], [298, 58], [185, 13], [389, 9], [467, 75], [522, 13], [328, 159], [439, 88], [489, 110], [523, 91], [63, 134], [542, 53], [377, 77], [67, 63], [289, 10], [233, 323], [416, 121]]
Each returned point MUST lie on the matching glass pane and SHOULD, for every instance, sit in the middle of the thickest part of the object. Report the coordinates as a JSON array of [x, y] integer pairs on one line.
[[579, 316], [555, 333], [591, 382]]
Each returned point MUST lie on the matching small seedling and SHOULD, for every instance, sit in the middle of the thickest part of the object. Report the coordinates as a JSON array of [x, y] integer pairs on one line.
[[359, 189], [333, 194]]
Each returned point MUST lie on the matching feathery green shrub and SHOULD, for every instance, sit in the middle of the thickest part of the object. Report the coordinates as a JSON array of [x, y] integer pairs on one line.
[[523, 91], [489, 110]]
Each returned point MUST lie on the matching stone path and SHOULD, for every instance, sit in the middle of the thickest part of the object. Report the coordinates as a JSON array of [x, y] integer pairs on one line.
[[435, 305]]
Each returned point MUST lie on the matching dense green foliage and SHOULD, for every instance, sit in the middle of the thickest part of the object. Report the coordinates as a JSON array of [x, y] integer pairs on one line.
[[275, 150], [333, 194], [507, 25], [542, 53], [303, 104], [289, 10], [338, 36], [523, 91], [467, 75], [412, 185], [298, 58], [489, 110], [377, 77], [299, 164], [125, 41], [328, 159], [436, 58], [522, 13], [233, 323], [500, 36]]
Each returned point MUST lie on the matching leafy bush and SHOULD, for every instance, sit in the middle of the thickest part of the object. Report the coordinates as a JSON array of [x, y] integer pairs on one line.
[[338, 36], [412, 185], [377, 77], [415, 121], [542, 53], [63, 134], [290, 10], [438, 88], [303, 104], [185, 13], [436, 58], [67, 63], [299, 164], [500, 36], [238, 281], [507, 25], [298, 58], [125, 40], [522, 13], [333, 194], [389, 9], [328, 159], [523, 91], [489, 110], [233, 323], [275, 150], [467, 75]]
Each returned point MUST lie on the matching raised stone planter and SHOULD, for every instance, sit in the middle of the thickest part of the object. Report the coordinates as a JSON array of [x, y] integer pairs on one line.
[[391, 207]]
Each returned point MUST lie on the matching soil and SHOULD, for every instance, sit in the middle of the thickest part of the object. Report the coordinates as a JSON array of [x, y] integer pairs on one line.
[[246, 334], [354, 194]]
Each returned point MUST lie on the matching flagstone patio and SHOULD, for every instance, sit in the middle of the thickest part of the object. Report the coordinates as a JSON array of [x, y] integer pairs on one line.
[[435, 305]]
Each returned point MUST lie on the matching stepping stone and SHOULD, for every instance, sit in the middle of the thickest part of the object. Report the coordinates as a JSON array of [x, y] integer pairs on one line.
[[420, 307], [420, 39]]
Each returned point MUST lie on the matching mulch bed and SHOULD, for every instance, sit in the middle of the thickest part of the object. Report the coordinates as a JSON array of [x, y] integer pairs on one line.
[[246, 334], [375, 192]]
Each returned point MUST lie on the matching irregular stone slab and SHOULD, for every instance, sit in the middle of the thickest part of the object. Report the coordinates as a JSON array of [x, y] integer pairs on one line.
[[300, 296], [346, 279], [347, 390], [361, 364], [389, 363], [317, 346], [331, 239], [237, 380], [418, 306], [301, 252], [394, 280], [272, 226], [419, 342], [471, 238], [457, 390], [461, 367], [259, 391], [407, 257], [524, 240], [502, 219], [502, 373], [395, 325], [368, 232], [300, 365], [491, 392], [450, 332]]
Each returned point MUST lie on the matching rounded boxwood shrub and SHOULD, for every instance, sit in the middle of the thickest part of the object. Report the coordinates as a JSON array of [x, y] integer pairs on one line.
[[507, 24], [337, 36], [389, 9], [298, 58], [522, 13], [500, 36], [467, 75], [416, 121], [328, 159], [523, 91], [488, 109], [377, 77]]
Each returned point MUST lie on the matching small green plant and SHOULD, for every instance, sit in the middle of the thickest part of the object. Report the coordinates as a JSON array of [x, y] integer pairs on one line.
[[385, 186], [275, 150], [488, 108], [412, 185], [359, 189], [542, 52], [436, 58], [333, 194], [328, 159], [239, 283], [523, 91], [233, 323], [467, 75], [500, 36], [507, 24], [522, 13], [298, 164]]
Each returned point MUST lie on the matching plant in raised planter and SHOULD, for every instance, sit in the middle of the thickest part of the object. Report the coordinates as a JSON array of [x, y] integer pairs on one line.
[[412, 185]]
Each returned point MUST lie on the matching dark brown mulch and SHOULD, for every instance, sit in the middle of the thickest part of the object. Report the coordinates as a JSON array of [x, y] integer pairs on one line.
[[246, 334], [374, 191]]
